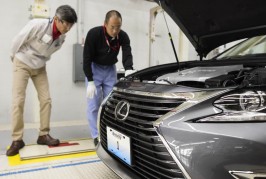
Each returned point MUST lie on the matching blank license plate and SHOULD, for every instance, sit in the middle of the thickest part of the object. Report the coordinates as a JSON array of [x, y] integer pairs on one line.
[[119, 144]]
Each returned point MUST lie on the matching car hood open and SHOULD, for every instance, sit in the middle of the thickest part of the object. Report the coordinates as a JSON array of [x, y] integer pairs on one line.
[[211, 23]]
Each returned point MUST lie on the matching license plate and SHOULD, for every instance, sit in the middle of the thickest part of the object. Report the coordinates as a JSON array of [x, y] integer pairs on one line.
[[119, 145]]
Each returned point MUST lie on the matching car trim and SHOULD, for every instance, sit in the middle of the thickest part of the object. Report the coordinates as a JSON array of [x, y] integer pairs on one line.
[[98, 123], [172, 95], [99, 116], [185, 173], [246, 174]]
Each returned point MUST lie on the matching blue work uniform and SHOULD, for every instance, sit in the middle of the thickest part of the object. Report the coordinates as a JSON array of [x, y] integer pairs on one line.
[[99, 59]]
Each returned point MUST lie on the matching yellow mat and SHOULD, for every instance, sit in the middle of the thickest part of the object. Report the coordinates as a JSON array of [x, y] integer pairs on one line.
[[15, 160]]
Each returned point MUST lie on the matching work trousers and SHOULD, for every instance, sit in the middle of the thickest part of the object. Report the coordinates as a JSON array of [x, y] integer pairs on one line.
[[104, 78], [21, 75]]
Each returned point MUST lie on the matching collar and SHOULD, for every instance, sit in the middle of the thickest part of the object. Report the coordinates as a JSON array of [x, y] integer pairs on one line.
[[56, 32], [108, 36]]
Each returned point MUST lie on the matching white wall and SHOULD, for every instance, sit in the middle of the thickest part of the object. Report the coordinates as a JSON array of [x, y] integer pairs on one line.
[[68, 98]]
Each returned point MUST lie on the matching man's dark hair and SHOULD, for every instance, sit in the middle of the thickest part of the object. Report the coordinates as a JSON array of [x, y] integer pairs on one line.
[[66, 13], [112, 13]]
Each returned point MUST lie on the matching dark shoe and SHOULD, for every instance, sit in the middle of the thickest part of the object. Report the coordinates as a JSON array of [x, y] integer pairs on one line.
[[95, 141], [14, 148], [47, 140]]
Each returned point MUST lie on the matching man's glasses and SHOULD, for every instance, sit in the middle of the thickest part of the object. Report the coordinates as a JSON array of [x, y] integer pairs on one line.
[[66, 24]]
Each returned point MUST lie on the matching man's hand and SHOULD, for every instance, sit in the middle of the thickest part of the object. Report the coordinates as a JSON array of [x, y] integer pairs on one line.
[[91, 89], [129, 72]]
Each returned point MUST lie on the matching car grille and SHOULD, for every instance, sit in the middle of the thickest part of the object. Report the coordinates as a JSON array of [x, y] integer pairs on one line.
[[149, 156]]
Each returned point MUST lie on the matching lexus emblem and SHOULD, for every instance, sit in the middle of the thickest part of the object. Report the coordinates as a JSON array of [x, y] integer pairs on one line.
[[122, 110]]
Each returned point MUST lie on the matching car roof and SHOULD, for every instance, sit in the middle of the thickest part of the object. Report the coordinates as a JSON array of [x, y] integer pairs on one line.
[[209, 24]]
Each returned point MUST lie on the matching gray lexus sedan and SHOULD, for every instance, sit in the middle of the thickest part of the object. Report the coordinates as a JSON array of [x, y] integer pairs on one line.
[[200, 119]]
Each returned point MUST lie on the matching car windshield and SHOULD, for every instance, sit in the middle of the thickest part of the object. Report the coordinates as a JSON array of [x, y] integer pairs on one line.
[[255, 46]]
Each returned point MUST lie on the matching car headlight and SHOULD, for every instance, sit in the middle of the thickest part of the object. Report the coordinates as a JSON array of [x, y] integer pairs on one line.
[[243, 106]]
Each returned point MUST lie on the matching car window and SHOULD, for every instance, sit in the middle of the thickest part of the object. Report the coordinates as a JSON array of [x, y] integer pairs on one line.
[[251, 47]]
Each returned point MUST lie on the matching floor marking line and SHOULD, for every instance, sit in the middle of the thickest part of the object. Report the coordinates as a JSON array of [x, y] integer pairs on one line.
[[23, 171], [46, 168], [74, 164]]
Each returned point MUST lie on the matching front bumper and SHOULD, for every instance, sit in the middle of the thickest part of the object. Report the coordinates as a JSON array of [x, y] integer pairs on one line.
[[120, 169]]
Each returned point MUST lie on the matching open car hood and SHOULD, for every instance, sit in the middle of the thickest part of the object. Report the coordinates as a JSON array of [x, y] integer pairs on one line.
[[211, 23]]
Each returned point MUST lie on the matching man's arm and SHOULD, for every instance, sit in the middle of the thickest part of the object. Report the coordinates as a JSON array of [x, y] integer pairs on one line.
[[127, 58], [25, 35], [88, 54]]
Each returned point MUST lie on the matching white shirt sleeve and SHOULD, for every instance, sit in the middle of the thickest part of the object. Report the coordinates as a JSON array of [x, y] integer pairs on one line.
[[25, 35]]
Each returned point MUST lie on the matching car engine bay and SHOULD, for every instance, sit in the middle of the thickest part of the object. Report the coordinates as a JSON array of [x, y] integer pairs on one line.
[[215, 77]]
